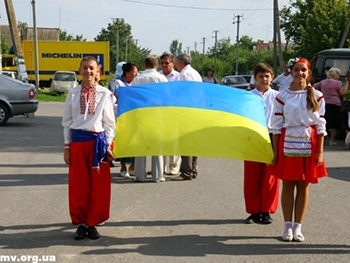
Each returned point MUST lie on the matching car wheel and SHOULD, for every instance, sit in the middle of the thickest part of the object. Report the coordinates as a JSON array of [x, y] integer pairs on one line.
[[4, 114]]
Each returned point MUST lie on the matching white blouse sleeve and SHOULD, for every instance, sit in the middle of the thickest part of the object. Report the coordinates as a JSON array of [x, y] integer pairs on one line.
[[321, 123], [277, 117]]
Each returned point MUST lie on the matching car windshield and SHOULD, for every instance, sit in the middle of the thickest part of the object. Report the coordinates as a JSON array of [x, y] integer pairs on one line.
[[64, 77], [237, 80]]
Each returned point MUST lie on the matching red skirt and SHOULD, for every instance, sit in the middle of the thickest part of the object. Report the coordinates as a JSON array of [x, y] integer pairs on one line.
[[299, 168]]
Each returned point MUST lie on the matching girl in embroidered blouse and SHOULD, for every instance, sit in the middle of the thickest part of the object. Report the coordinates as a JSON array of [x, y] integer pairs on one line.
[[298, 135]]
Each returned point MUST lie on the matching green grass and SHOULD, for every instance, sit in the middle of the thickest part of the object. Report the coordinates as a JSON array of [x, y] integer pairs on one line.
[[44, 95]]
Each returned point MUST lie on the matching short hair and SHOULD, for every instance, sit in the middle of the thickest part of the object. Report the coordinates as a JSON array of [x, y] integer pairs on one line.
[[333, 71], [127, 67], [89, 58], [184, 58], [151, 61], [264, 68], [168, 55]]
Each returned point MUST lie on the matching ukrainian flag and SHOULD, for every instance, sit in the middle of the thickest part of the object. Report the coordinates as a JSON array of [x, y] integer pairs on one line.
[[191, 119]]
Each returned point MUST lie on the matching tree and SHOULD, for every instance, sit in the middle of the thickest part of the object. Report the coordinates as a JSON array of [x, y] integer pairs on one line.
[[64, 36], [4, 46], [314, 25], [135, 54], [247, 42], [175, 47]]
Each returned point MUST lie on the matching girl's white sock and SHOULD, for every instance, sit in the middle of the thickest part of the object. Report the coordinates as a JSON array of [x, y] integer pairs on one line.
[[297, 229], [288, 228]]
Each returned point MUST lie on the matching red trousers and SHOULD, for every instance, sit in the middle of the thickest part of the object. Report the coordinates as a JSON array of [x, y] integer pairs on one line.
[[89, 188], [261, 188]]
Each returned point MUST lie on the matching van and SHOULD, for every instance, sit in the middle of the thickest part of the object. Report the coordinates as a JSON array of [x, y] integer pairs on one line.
[[331, 58], [63, 81]]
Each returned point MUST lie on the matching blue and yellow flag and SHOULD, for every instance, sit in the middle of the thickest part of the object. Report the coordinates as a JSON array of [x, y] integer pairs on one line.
[[191, 119]]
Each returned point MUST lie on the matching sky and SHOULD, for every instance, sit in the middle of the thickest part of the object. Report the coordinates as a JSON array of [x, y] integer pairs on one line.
[[155, 23]]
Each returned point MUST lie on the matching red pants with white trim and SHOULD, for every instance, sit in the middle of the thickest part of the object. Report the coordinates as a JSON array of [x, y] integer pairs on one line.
[[261, 188], [89, 188]]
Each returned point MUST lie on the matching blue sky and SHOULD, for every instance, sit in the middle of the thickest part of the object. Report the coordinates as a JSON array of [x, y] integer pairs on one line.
[[155, 23]]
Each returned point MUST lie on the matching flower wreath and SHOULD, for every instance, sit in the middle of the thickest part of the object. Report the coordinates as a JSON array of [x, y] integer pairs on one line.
[[292, 61]]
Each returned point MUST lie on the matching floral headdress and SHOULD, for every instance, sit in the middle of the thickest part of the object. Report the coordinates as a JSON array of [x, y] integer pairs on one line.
[[292, 61]]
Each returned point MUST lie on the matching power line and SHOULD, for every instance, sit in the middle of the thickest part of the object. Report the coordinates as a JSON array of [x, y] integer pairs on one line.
[[194, 7]]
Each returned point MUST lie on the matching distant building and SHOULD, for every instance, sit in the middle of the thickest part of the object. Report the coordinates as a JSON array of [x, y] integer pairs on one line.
[[27, 33], [270, 45], [264, 45]]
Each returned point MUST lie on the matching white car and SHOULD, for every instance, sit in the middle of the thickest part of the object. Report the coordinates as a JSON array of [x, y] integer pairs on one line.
[[11, 74], [63, 81]]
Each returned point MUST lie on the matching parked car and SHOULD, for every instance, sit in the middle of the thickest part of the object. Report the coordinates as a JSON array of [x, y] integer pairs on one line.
[[63, 81], [16, 98], [247, 77], [236, 81], [11, 74], [329, 58]]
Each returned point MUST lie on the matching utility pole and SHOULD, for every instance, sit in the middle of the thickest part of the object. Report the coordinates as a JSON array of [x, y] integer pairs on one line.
[[203, 42], [195, 46], [277, 46], [237, 40], [345, 33], [216, 49], [36, 58], [136, 41], [116, 21], [21, 68], [126, 48]]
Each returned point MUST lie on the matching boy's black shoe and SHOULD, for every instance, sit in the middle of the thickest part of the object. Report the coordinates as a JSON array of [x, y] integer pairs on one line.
[[80, 233], [93, 233], [253, 218], [266, 218]]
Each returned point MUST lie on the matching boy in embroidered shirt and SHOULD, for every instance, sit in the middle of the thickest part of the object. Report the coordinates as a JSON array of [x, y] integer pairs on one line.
[[260, 187], [88, 128]]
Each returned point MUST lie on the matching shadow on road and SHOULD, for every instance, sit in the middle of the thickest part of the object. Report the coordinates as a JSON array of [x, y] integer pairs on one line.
[[37, 135], [339, 173], [172, 246]]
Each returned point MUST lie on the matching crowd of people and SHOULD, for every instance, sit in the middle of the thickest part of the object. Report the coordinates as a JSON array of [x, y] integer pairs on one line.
[[296, 118]]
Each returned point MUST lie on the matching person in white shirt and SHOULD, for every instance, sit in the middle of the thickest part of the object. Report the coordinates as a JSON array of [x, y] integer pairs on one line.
[[252, 83], [118, 74], [260, 186], [130, 71], [188, 169], [88, 128], [150, 75], [283, 81], [171, 163]]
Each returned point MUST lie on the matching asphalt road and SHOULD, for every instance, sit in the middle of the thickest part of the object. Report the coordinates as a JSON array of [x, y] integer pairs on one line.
[[175, 221]]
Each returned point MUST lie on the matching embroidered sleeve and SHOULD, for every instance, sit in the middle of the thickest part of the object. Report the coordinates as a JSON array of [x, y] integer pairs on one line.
[[108, 118], [277, 117], [67, 119]]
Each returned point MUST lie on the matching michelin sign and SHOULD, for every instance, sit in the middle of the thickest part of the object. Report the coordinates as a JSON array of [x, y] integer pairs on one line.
[[99, 57]]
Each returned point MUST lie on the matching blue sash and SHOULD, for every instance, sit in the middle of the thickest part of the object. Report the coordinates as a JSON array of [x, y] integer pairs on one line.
[[100, 144]]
